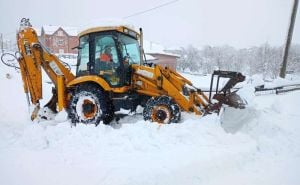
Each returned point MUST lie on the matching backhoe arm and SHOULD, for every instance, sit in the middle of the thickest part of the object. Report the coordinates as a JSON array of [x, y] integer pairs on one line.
[[34, 57]]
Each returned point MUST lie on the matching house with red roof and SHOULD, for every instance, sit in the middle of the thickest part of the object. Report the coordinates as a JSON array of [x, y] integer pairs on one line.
[[59, 39]]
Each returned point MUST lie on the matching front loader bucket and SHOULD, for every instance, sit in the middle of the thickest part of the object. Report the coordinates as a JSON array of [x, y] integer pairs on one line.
[[225, 96], [231, 99]]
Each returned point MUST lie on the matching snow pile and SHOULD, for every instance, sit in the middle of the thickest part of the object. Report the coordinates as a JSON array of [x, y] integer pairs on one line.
[[262, 149], [290, 79]]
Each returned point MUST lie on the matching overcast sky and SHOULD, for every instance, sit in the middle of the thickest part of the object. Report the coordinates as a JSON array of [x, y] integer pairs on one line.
[[240, 23]]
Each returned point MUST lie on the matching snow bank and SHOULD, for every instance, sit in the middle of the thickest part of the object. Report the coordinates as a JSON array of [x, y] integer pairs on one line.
[[290, 79], [262, 149]]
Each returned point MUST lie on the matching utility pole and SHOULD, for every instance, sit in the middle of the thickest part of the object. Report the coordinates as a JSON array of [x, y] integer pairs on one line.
[[288, 39]]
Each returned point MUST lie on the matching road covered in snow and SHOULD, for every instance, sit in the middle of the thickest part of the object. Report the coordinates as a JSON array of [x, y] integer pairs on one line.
[[258, 145]]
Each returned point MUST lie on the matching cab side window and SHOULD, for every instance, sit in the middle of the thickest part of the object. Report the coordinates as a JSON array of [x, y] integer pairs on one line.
[[106, 49], [83, 56], [106, 59]]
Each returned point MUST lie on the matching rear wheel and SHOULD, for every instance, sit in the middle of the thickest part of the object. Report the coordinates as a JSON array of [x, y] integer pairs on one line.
[[90, 104], [162, 109]]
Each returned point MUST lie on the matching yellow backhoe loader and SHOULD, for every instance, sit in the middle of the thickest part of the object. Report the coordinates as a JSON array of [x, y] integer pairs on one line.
[[112, 74]]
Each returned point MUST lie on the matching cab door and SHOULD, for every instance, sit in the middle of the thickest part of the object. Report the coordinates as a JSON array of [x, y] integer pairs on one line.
[[106, 59]]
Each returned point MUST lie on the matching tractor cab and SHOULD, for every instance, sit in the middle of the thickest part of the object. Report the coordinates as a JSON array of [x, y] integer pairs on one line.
[[108, 52]]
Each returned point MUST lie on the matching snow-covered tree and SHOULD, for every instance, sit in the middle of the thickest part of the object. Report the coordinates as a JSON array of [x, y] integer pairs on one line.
[[264, 59], [190, 59]]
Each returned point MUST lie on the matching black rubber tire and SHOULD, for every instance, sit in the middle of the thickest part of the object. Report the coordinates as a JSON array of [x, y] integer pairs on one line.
[[165, 101], [105, 108]]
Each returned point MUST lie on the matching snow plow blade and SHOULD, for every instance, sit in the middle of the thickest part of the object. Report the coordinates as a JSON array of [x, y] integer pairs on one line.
[[232, 100], [225, 96]]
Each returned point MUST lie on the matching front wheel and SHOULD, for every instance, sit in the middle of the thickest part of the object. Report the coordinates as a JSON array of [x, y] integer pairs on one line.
[[162, 109], [89, 104]]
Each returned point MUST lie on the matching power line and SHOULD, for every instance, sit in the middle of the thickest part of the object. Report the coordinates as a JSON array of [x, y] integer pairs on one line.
[[156, 7]]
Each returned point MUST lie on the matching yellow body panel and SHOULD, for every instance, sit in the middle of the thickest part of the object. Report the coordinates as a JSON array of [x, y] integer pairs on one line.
[[61, 98], [98, 80], [159, 81], [90, 78]]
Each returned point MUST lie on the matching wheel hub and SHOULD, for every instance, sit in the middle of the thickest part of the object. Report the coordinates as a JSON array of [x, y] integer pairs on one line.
[[89, 109], [161, 114]]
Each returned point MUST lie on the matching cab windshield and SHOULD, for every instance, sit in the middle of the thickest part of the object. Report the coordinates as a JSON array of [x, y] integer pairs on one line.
[[129, 49], [83, 56], [108, 55]]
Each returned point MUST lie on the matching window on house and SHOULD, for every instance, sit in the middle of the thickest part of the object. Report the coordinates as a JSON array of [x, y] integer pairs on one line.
[[60, 42]]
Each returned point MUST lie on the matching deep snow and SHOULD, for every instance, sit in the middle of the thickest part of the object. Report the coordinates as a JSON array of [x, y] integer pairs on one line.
[[259, 146]]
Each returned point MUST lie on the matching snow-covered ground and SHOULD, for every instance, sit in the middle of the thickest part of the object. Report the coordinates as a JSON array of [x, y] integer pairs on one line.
[[259, 145]]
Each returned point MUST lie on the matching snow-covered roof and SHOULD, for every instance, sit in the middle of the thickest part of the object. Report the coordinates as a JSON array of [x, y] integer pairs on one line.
[[150, 58], [50, 30], [37, 30], [112, 22], [155, 48]]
